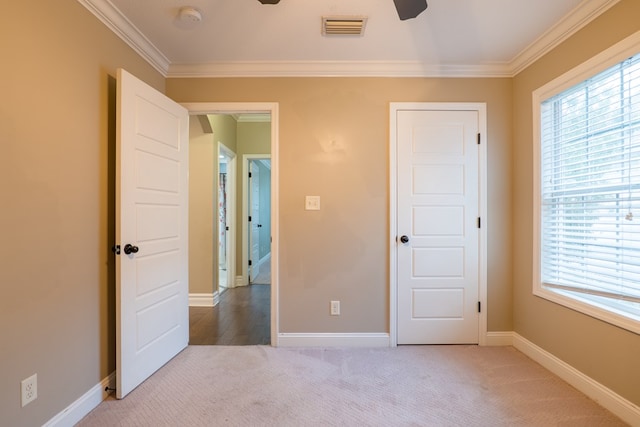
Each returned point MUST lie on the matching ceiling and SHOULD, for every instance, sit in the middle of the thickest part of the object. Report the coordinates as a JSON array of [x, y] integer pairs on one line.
[[246, 38]]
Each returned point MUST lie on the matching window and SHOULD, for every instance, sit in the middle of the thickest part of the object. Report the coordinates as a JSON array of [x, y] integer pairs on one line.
[[588, 189]]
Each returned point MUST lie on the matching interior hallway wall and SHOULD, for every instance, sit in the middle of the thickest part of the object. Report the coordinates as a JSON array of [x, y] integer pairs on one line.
[[203, 196]]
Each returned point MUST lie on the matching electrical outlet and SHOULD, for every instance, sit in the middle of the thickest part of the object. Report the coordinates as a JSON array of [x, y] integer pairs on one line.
[[29, 389], [312, 203], [335, 308]]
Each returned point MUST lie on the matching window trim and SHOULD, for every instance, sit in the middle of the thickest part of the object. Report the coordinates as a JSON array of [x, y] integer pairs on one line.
[[615, 54]]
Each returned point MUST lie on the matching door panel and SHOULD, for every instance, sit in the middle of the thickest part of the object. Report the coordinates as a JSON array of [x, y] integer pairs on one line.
[[437, 208], [254, 236], [152, 322]]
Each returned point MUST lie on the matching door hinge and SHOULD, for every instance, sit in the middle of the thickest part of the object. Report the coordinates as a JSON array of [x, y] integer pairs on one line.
[[478, 138], [249, 218], [249, 262], [249, 174], [479, 307], [479, 223]]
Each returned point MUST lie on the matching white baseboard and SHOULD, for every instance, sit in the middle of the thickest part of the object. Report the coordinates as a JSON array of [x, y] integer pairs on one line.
[[333, 340], [240, 281], [73, 413], [626, 410], [204, 300], [499, 338], [615, 403]]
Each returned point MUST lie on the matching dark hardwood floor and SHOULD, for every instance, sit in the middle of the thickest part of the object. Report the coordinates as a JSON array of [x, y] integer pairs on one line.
[[242, 317]]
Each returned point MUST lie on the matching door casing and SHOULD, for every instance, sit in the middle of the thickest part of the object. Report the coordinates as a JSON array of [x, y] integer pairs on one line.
[[272, 108], [394, 108], [231, 216]]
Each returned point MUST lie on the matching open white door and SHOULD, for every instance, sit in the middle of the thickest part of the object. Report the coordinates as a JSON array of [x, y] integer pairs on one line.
[[254, 223], [152, 312]]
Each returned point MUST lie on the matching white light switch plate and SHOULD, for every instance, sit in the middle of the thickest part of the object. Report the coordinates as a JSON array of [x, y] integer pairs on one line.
[[312, 203]]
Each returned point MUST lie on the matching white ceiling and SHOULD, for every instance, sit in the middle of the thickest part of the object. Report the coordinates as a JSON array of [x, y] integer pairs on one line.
[[244, 37]]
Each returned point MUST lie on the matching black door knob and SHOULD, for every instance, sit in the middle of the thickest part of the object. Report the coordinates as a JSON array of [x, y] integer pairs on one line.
[[403, 239], [130, 249]]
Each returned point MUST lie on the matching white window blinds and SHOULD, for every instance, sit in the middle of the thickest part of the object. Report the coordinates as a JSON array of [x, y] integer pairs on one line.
[[590, 188]]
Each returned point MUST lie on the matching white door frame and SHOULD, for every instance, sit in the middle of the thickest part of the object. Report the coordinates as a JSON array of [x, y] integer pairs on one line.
[[231, 213], [394, 108], [272, 108], [245, 211]]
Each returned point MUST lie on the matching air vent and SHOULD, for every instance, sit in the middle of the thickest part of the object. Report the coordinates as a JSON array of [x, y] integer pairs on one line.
[[343, 25]]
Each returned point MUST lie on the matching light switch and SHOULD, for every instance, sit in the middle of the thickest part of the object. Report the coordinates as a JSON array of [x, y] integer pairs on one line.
[[312, 203]]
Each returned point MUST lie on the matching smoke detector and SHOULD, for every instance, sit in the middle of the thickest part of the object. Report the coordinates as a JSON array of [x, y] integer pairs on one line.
[[188, 14], [343, 25]]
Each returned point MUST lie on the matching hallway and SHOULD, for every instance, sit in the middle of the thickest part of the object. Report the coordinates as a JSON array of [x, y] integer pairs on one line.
[[242, 317]]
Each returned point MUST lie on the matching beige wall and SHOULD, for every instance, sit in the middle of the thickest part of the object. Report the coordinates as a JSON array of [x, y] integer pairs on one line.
[[225, 130], [203, 242], [57, 132], [57, 128], [606, 353], [334, 139]]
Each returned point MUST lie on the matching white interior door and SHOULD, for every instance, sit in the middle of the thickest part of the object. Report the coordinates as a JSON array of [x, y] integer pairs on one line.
[[254, 224], [437, 215], [152, 317]]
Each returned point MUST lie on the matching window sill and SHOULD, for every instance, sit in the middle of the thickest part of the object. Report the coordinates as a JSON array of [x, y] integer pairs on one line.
[[594, 306]]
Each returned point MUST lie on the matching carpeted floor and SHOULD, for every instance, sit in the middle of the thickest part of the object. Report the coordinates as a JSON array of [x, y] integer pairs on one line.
[[404, 386]]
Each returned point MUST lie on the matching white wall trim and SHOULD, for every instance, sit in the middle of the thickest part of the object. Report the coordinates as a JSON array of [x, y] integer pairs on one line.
[[204, 299], [240, 281], [333, 340], [612, 401], [499, 338], [335, 69], [73, 413], [573, 22], [111, 16]]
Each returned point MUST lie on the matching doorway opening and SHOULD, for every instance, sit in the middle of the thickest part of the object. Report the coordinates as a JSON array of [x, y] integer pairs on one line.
[[240, 301], [225, 211], [257, 212]]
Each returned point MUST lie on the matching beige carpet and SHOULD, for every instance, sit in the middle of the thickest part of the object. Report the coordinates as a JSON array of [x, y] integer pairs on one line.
[[404, 386]]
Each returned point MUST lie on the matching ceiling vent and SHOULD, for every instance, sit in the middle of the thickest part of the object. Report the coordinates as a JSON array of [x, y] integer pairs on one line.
[[343, 25]]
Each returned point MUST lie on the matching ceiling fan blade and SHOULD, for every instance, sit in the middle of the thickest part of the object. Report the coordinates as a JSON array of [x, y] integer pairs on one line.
[[408, 9], [269, 1]]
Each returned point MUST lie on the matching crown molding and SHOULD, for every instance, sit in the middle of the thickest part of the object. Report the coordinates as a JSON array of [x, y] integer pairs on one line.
[[334, 69], [111, 16], [579, 17], [573, 22]]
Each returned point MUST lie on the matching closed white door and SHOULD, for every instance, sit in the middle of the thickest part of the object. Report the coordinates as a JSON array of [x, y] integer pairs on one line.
[[152, 317], [254, 224], [437, 227]]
